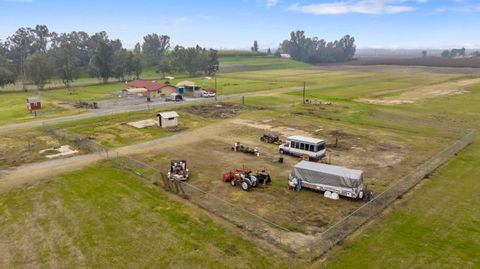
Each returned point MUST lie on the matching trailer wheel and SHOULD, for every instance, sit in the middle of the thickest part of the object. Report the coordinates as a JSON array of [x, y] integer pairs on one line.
[[233, 183], [246, 185]]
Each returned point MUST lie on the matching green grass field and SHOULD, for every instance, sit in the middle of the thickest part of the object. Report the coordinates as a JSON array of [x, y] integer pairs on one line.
[[437, 226], [101, 217]]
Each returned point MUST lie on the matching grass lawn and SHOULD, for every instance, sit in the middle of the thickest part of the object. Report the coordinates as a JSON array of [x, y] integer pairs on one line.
[[437, 226], [112, 130], [101, 217], [13, 108]]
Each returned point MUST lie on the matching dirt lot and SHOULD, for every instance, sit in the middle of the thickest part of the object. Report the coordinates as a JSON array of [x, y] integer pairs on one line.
[[217, 110], [22, 147], [306, 211]]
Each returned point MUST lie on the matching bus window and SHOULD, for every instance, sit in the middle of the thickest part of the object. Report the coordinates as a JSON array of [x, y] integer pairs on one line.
[[312, 148], [302, 146]]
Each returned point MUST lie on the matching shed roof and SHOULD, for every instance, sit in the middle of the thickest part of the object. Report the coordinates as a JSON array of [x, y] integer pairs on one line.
[[168, 114], [306, 139], [186, 83]]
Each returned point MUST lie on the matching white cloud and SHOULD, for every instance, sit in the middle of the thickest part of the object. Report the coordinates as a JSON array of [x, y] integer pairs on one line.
[[271, 3], [358, 6]]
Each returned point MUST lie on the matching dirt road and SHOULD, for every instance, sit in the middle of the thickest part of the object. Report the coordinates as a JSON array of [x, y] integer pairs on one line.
[[30, 174]]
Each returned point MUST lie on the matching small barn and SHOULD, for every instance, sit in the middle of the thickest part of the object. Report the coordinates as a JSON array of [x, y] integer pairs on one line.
[[189, 89], [153, 89], [33, 103], [167, 119]]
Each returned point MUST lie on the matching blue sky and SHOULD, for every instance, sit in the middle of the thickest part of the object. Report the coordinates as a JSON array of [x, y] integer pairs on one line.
[[236, 23]]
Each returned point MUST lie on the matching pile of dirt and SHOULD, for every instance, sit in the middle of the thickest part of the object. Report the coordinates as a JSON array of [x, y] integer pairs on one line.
[[217, 110]]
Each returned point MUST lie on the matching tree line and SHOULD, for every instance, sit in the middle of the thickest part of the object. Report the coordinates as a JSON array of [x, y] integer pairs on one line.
[[37, 55], [315, 50]]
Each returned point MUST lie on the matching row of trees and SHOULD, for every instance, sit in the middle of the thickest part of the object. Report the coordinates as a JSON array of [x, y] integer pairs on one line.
[[314, 50], [38, 55]]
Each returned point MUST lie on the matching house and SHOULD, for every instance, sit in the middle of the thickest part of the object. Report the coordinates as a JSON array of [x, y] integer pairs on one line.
[[167, 119], [189, 89], [150, 89]]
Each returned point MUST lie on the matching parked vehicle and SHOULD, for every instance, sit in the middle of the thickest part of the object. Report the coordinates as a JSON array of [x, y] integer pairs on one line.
[[237, 146], [301, 146], [271, 139], [331, 179], [246, 178], [178, 170], [208, 94], [174, 97]]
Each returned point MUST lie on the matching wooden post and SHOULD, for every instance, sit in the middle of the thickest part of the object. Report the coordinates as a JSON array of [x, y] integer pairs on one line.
[[216, 89], [304, 86], [243, 100]]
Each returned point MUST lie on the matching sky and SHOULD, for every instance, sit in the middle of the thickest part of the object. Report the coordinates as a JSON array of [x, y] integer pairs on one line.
[[235, 24]]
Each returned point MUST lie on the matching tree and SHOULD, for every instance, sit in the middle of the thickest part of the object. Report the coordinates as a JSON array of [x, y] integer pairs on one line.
[[446, 54], [21, 46], [102, 52], [66, 62], [255, 46], [121, 64], [138, 49], [136, 65], [269, 52], [8, 73], [154, 48], [165, 66], [39, 68], [315, 50], [424, 53], [42, 35]]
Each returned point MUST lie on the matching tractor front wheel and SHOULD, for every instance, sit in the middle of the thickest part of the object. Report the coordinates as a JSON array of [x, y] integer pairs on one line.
[[233, 183], [282, 152], [245, 185]]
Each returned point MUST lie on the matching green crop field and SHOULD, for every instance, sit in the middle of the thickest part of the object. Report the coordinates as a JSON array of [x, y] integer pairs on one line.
[[101, 217]]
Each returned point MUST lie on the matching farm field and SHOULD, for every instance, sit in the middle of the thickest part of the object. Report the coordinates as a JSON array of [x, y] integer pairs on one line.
[[93, 217], [385, 138]]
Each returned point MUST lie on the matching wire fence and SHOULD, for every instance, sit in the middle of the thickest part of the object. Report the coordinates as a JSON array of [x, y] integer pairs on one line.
[[339, 231], [291, 242]]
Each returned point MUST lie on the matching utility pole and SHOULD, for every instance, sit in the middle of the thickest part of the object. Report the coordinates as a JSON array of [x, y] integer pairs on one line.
[[216, 89], [304, 86]]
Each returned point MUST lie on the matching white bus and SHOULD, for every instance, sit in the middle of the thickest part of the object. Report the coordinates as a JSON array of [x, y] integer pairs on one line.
[[304, 146]]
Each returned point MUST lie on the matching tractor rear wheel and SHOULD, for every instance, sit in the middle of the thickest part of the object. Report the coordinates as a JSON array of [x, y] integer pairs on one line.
[[246, 185]]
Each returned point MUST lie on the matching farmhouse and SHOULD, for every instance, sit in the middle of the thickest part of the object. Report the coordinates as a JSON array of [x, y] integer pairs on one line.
[[167, 119], [150, 89], [189, 89]]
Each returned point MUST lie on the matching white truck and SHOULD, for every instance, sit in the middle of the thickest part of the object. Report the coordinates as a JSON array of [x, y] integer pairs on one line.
[[304, 146], [331, 179]]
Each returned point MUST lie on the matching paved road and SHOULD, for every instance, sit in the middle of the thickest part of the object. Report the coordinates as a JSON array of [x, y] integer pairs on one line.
[[136, 107]]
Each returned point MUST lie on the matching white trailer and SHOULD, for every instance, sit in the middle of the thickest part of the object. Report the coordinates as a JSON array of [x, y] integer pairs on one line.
[[330, 178]]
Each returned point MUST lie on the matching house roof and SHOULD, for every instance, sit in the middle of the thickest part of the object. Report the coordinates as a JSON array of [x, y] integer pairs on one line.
[[168, 114], [149, 85]]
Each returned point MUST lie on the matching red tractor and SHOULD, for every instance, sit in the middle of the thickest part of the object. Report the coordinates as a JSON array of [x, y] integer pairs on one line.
[[246, 178]]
